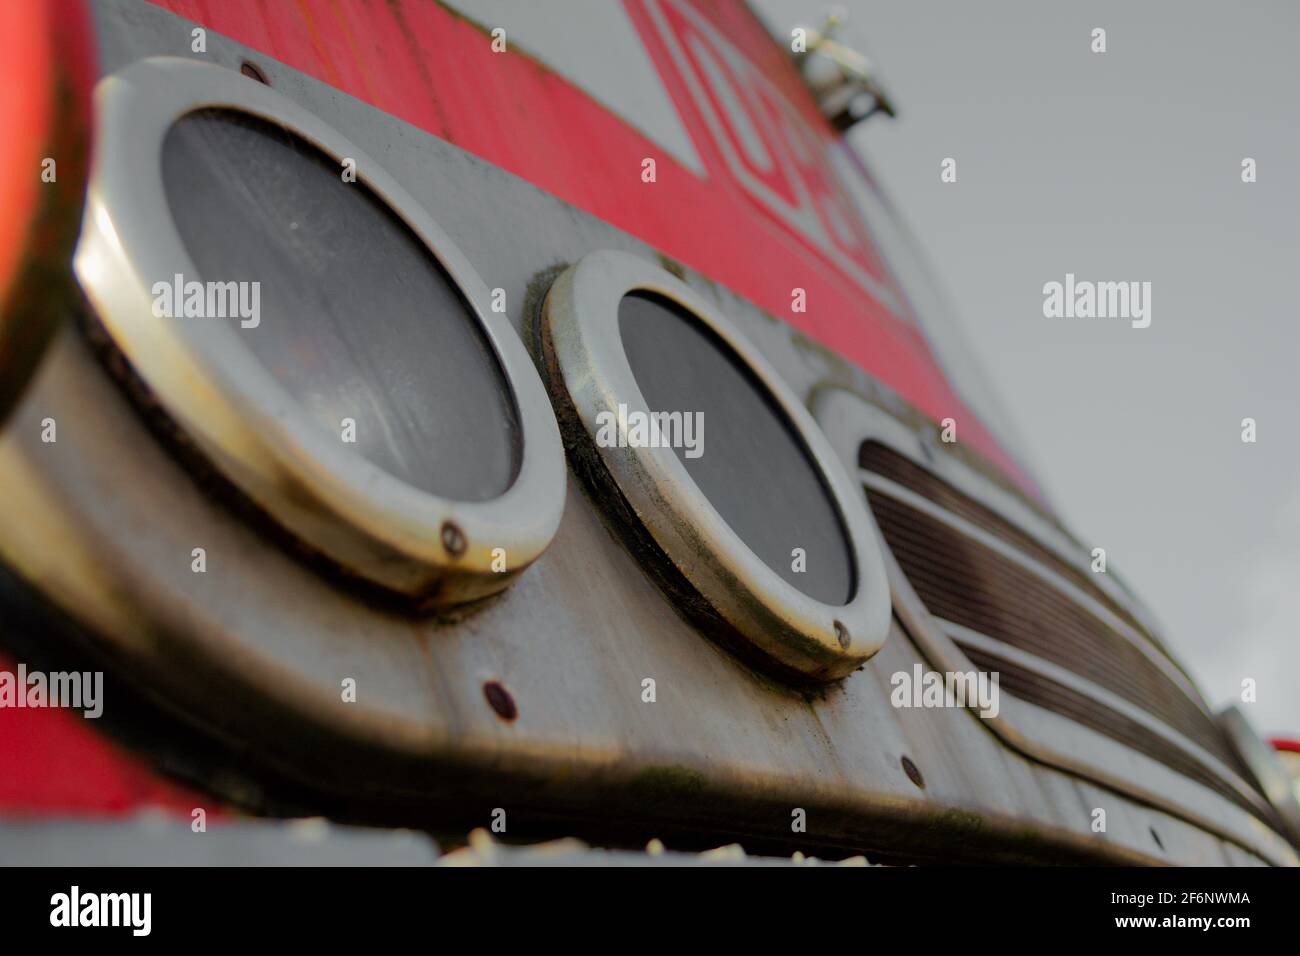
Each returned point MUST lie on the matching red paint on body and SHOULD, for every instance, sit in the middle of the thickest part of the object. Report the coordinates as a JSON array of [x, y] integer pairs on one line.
[[53, 763], [434, 69]]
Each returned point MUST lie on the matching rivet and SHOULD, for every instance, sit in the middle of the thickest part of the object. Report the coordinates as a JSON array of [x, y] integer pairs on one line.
[[453, 539], [253, 73], [500, 700], [913, 771]]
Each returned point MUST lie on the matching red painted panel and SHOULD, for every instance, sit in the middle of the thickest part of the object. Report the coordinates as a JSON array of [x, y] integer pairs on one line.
[[47, 69], [53, 763], [25, 71], [434, 69]]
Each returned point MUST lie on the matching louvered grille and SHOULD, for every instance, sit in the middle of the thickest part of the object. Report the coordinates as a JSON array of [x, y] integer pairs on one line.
[[1050, 695], [884, 461], [964, 581]]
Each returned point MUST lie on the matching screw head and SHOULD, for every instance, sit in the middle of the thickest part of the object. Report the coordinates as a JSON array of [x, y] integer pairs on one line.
[[913, 771], [253, 73], [500, 700], [453, 539]]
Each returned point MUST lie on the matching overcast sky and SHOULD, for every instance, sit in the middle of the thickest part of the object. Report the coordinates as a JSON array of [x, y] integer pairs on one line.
[[1125, 166]]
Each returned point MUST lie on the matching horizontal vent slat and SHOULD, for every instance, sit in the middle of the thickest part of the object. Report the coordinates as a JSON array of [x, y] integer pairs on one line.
[[964, 580], [884, 461], [1043, 692]]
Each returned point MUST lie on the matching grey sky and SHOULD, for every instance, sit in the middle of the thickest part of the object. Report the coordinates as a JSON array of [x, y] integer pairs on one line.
[[1125, 166]]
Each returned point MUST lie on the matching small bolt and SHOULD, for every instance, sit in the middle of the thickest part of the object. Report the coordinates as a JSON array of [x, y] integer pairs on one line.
[[453, 539], [253, 73], [500, 700], [913, 771], [842, 635]]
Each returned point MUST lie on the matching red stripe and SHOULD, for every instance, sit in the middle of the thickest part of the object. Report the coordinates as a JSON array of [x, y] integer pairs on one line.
[[426, 65], [26, 94], [52, 762]]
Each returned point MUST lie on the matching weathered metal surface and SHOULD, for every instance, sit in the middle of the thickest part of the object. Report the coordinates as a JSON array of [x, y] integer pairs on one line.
[[252, 653], [1030, 718]]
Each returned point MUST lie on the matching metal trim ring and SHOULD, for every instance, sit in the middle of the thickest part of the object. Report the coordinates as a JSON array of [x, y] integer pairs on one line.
[[436, 551], [586, 366]]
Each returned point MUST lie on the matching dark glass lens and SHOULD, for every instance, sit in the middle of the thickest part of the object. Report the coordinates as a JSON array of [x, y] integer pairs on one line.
[[754, 469], [357, 318]]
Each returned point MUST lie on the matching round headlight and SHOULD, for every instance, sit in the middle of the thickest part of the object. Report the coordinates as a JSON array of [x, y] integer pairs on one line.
[[712, 469], [309, 328]]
